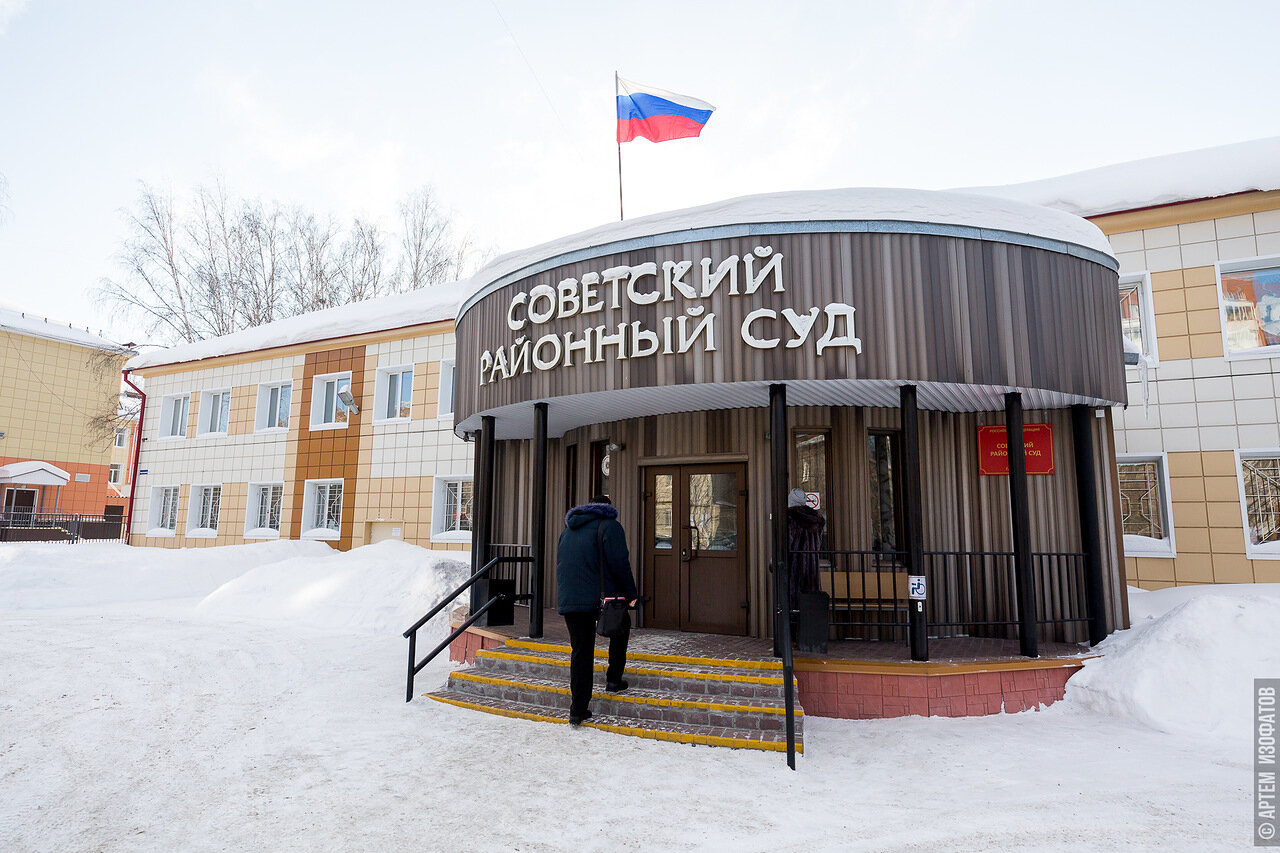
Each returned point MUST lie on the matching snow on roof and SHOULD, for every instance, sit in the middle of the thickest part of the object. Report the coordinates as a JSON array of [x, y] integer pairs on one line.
[[34, 473], [875, 204], [25, 323], [1172, 178], [428, 305]]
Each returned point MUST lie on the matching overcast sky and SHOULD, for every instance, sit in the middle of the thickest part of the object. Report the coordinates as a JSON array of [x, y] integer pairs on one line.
[[507, 108]]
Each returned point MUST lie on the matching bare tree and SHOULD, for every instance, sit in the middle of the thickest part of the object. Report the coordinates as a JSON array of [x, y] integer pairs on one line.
[[429, 251]]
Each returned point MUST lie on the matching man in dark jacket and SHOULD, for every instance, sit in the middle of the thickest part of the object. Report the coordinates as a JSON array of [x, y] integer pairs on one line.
[[592, 563]]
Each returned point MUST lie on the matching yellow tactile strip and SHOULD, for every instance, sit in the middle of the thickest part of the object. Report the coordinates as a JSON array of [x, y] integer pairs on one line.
[[633, 731], [688, 660], [626, 697], [674, 673], [940, 668]]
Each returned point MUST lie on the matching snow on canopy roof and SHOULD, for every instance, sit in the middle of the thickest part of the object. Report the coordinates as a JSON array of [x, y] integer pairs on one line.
[[869, 204], [33, 473], [1169, 179], [428, 305], [25, 323]]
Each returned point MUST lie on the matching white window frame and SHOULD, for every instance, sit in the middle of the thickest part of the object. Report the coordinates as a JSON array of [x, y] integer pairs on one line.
[[309, 505], [1242, 265], [262, 414], [115, 473], [253, 508], [122, 436], [446, 399], [154, 511], [1150, 348], [1143, 546], [167, 404], [382, 392], [438, 531], [1270, 550], [317, 400], [208, 423], [195, 509]]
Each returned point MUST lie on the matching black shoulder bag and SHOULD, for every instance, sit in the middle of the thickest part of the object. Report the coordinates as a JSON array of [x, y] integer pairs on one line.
[[614, 620]]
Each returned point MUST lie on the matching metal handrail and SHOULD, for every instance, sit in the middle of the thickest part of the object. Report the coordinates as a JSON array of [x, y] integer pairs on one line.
[[412, 633]]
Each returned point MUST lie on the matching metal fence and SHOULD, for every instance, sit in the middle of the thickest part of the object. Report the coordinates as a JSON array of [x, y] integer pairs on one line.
[[20, 526]]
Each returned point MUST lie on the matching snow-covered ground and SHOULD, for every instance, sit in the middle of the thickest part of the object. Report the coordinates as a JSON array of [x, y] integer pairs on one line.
[[252, 699]]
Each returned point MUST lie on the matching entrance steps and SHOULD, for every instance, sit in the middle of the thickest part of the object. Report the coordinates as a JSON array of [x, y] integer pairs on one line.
[[697, 700]]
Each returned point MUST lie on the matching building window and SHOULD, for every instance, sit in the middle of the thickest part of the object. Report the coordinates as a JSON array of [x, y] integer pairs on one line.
[[163, 519], [122, 436], [394, 394], [452, 517], [273, 406], [1249, 294], [173, 416], [809, 464], [322, 509], [328, 411], [1145, 510], [206, 502], [265, 503], [114, 472], [1137, 320], [884, 458], [444, 407], [215, 412], [1260, 498]]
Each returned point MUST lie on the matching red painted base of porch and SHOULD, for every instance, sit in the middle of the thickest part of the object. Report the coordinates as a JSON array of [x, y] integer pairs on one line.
[[463, 650], [971, 691]]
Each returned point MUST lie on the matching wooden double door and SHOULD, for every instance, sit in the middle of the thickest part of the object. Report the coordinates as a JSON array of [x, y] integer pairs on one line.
[[695, 548]]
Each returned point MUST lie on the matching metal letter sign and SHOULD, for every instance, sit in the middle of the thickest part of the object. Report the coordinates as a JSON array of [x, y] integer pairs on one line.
[[916, 587]]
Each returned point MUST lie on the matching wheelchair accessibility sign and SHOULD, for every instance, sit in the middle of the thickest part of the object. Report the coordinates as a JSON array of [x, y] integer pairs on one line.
[[915, 587]]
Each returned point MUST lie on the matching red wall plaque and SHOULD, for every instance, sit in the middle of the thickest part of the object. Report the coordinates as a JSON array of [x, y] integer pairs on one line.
[[993, 449]]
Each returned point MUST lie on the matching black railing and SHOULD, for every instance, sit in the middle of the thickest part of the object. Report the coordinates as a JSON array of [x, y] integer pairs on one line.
[[415, 666], [23, 526], [969, 593]]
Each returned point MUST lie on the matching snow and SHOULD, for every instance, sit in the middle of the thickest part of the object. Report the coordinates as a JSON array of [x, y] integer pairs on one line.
[[25, 323], [428, 305], [224, 698], [1187, 665], [1187, 176], [848, 204]]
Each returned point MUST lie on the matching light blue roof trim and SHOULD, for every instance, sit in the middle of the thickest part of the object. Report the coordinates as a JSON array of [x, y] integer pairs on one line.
[[722, 232]]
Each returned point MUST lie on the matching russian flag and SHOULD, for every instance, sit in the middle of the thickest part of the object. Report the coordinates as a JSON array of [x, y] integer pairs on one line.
[[658, 115]]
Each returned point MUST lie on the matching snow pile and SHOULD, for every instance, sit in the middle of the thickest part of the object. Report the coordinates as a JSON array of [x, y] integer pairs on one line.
[[1186, 176], [1189, 668], [377, 589], [45, 575]]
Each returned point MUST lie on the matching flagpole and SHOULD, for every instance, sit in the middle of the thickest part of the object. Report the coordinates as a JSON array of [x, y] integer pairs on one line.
[[615, 97]]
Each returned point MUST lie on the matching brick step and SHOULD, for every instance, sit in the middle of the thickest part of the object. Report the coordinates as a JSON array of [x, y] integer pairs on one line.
[[695, 679], [748, 715], [602, 651], [653, 729]]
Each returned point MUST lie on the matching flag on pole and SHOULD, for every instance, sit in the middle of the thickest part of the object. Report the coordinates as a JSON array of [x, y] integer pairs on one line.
[[658, 115]]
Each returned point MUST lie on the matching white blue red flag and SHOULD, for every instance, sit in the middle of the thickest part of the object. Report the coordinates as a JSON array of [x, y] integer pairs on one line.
[[658, 115]]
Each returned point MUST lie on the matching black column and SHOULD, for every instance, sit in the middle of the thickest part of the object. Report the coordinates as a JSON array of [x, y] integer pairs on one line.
[[917, 626], [1020, 518], [779, 478], [482, 522], [538, 536], [1087, 499]]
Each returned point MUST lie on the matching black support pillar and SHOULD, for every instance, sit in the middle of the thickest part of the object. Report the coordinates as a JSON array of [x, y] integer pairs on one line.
[[482, 522], [1020, 518], [1087, 498], [917, 624], [538, 532], [779, 477]]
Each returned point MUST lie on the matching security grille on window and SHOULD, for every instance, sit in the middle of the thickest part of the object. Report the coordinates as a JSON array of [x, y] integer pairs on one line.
[[218, 414], [1251, 309], [399, 394], [269, 501], [113, 474], [1262, 499], [174, 416], [278, 399], [457, 506], [209, 500], [327, 407], [1132, 311], [1141, 502], [167, 513], [327, 511]]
